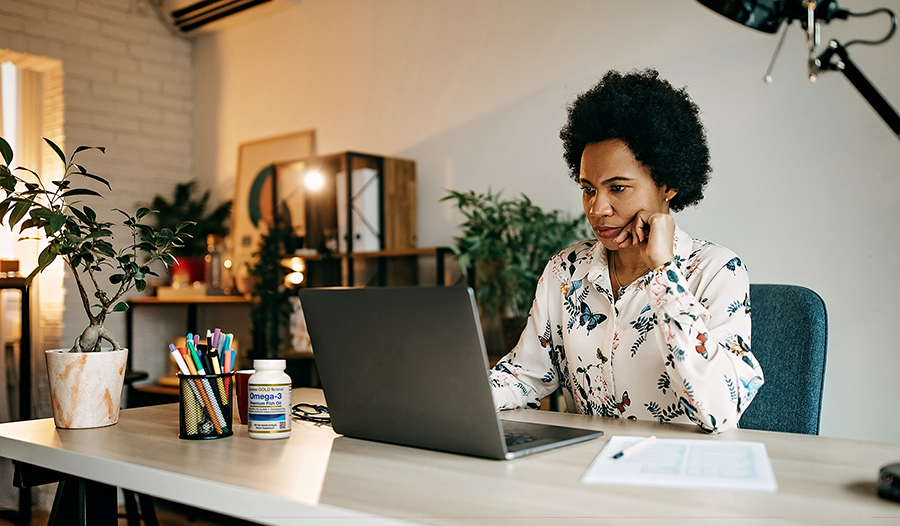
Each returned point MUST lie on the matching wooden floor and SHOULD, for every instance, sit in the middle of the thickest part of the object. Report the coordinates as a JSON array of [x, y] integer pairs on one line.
[[167, 513]]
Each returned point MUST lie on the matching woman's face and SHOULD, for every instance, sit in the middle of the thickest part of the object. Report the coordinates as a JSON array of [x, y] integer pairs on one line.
[[615, 187]]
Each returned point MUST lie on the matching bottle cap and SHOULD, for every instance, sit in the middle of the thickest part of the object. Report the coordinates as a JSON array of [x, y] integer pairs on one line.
[[269, 364]]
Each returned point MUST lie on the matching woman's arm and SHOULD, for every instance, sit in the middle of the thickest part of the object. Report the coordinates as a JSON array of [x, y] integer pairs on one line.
[[707, 341], [527, 373]]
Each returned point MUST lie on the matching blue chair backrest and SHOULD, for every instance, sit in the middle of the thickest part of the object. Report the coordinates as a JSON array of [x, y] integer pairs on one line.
[[789, 337]]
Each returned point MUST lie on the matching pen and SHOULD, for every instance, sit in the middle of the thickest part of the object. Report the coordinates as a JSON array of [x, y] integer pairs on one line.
[[634, 447]]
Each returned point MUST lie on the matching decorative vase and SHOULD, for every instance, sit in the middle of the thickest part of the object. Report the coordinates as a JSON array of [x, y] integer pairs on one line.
[[86, 388]]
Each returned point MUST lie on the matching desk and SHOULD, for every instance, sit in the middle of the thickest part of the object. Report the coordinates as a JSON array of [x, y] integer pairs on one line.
[[317, 476]]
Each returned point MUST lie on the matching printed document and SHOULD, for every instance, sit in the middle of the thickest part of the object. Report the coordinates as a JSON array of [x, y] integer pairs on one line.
[[675, 463]]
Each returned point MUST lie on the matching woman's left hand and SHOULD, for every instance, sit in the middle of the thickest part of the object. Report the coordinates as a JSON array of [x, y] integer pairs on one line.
[[653, 233]]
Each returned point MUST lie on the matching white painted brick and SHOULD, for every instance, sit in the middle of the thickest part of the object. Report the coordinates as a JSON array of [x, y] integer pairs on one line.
[[141, 112], [153, 54], [135, 80], [87, 103], [175, 44], [177, 118], [18, 43], [114, 123], [102, 43], [70, 20], [52, 32], [129, 140], [164, 72], [24, 9], [78, 118], [89, 71], [77, 135], [47, 48], [156, 130], [11, 23], [178, 89], [116, 61], [62, 5], [117, 5], [102, 13], [183, 61], [115, 93], [77, 85], [164, 101], [165, 130], [128, 34]]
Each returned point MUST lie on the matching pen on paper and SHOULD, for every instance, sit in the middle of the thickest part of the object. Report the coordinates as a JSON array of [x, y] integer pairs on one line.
[[634, 447]]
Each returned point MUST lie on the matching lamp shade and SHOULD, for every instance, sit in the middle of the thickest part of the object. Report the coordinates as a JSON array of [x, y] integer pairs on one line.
[[763, 15]]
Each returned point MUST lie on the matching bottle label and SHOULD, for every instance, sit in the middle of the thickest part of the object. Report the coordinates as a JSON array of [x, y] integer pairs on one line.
[[269, 409]]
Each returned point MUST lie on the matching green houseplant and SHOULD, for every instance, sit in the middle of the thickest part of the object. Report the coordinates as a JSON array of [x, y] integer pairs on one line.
[[74, 232], [504, 246], [272, 308], [186, 205]]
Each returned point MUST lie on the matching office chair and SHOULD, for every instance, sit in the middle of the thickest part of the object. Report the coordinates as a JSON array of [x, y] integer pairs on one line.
[[789, 337]]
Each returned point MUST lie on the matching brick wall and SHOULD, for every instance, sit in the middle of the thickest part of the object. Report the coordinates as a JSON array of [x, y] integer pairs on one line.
[[127, 85]]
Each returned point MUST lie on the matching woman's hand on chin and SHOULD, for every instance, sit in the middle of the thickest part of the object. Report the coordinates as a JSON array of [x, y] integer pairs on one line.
[[653, 233]]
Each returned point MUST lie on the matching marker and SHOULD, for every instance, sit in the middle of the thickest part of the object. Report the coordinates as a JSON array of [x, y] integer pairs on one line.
[[216, 336], [634, 447]]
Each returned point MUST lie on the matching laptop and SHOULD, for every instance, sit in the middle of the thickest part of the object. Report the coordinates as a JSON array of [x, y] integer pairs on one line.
[[408, 366]]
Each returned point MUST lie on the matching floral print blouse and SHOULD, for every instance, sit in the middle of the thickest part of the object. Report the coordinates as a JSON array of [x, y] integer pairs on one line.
[[675, 347]]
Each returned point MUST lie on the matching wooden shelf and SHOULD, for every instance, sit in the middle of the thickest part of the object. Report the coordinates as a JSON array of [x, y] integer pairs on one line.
[[153, 300]]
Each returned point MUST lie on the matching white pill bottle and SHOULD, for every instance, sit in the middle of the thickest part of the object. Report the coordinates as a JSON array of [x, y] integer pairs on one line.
[[269, 401]]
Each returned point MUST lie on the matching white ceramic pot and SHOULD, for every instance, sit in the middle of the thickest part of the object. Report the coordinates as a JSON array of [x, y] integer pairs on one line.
[[86, 388]]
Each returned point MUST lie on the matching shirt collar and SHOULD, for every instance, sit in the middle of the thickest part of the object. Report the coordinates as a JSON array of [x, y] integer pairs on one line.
[[595, 266]]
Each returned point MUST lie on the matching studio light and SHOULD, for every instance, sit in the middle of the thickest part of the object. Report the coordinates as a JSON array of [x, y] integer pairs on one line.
[[769, 15]]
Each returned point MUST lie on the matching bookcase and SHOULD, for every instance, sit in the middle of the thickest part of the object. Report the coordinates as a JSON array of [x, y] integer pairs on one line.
[[356, 215]]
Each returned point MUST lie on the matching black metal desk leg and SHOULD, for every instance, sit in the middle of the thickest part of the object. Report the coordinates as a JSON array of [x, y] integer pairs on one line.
[[85, 503]]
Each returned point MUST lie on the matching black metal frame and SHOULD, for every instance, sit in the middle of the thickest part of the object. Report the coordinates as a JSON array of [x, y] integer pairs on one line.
[[23, 515], [860, 82], [348, 173]]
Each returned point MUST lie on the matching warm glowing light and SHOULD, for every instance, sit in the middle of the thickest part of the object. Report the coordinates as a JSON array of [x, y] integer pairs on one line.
[[293, 279], [297, 265], [314, 180], [226, 263]]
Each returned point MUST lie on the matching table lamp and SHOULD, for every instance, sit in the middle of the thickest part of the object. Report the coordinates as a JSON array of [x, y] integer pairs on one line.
[[769, 15]]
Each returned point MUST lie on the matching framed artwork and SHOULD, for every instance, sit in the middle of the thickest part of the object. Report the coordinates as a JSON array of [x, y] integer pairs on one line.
[[257, 188]]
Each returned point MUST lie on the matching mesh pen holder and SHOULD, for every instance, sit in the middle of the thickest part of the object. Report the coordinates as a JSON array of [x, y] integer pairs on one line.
[[205, 406]]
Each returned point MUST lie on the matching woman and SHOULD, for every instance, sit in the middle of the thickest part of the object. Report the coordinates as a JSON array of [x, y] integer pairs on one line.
[[644, 322]]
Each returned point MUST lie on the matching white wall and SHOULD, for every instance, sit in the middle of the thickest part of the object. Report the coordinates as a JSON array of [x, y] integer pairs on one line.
[[806, 182]]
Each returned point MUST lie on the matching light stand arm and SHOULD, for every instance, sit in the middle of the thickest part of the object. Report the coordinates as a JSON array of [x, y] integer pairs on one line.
[[860, 82]]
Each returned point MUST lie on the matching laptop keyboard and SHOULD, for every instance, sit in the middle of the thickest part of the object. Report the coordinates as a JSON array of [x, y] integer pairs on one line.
[[517, 439]]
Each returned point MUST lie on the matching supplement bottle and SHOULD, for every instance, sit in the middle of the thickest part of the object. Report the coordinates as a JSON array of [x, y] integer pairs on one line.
[[269, 400]]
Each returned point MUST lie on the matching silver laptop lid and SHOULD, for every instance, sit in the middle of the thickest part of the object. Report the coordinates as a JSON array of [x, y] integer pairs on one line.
[[405, 366]]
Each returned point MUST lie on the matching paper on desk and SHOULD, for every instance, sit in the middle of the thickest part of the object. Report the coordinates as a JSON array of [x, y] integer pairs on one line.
[[676, 463]]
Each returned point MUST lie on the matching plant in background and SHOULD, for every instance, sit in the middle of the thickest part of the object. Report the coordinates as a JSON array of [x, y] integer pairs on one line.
[[74, 232], [271, 313], [507, 243], [185, 206]]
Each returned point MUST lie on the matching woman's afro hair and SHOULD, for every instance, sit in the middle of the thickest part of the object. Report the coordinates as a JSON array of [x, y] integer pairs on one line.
[[660, 124]]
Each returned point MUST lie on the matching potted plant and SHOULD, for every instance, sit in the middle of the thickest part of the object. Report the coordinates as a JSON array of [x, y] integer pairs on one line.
[[503, 249], [208, 228], [85, 384]]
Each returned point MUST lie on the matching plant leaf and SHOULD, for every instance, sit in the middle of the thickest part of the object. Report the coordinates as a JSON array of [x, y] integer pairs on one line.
[[81, 191], [120, 307], [19, 211], [62, 156], [98, 178], [6, 151]]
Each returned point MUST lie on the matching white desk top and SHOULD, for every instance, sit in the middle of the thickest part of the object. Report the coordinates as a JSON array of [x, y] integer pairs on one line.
[[318, 475]]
